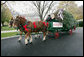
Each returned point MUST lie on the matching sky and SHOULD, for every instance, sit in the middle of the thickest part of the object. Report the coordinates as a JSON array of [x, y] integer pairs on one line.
[[79, 3], [27, 8]]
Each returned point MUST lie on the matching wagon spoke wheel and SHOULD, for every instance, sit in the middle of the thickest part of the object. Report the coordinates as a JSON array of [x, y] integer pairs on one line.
[[74, 27], [70, 31], [56, 35]]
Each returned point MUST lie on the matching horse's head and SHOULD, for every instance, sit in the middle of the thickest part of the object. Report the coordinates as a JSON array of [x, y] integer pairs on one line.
[[16, 21]]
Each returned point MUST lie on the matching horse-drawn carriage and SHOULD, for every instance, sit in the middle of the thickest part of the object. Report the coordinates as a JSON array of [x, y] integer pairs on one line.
[[66, 22]]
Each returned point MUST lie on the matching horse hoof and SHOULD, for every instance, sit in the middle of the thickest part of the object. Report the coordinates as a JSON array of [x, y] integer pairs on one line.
[[26, 44], [44, 40], [30, 42], [19, 40]]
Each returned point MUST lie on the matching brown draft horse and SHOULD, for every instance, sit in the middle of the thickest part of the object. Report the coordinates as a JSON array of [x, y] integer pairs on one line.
[[29, 27]]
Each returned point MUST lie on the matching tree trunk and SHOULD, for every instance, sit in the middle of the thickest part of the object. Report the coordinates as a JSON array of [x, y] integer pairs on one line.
[[41, 18], [2, 23]]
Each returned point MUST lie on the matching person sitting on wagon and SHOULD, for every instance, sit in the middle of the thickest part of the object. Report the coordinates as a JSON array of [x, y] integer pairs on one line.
[[53, 19], [48, 18]]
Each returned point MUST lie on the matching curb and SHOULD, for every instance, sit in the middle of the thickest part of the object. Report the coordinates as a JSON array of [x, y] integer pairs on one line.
[[15, 36], [9, 31]]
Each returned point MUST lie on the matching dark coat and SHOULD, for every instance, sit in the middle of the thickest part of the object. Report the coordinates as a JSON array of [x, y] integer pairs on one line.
[[48, 19]]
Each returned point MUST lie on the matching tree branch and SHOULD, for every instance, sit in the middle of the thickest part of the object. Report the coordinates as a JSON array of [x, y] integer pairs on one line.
[[48, 9], [43, 7], [3, 3]]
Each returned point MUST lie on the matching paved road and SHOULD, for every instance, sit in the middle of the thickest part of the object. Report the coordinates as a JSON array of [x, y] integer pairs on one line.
[[65, 45]]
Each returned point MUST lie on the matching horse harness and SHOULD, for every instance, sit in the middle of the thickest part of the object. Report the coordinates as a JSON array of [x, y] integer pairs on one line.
[[22, 26]]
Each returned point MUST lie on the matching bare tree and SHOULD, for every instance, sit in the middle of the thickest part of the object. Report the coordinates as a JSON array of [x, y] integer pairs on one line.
[[43, 7], [2, 3]]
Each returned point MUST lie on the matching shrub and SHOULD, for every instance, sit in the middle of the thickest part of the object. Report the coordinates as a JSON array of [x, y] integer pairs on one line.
[[80, 23]]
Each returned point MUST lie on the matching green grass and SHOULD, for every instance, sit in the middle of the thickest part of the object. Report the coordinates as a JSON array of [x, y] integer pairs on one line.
[[4, 28], [8, 34]]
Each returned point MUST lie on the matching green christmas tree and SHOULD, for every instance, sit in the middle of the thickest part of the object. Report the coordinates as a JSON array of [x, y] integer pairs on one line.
[[68, 21]]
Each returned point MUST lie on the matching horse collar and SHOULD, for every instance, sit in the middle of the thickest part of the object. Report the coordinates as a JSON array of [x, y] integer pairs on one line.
[[21, 26], [25, 23]]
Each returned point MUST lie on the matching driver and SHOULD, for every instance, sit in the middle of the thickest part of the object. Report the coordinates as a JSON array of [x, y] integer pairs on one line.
[[48, 18]]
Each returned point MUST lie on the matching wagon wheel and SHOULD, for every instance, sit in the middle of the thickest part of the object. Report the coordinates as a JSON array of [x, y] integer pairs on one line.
[[70, 31], [74, 27], [56, 35]]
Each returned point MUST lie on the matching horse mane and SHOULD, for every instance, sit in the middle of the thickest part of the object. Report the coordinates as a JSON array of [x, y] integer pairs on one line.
[[21, 19]]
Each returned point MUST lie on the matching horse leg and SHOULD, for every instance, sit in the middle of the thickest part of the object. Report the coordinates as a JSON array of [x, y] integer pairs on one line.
[[44, 36], [30, 39], [26, 36], [20, 36], [38, 35], [47, 32]]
